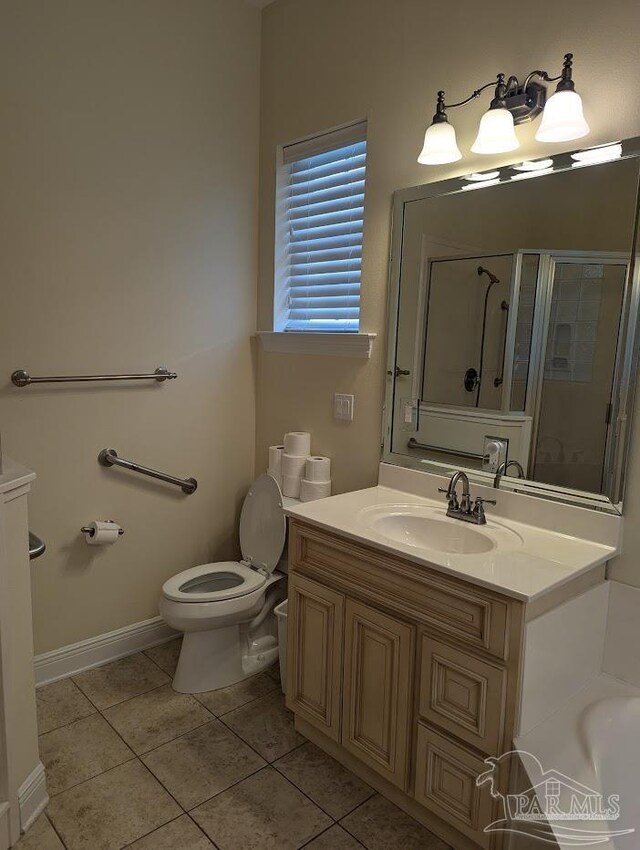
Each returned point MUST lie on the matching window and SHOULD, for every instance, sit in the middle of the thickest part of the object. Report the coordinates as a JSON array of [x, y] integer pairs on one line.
[[319, 222]]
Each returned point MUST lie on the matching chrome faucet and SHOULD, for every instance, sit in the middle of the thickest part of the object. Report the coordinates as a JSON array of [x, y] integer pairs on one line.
[[502, 470], [462, 508], [452, 494]]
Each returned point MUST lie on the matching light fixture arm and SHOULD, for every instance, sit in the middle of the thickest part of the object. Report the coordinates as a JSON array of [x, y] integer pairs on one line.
[[476, 93], [565, 77], [529, 92]]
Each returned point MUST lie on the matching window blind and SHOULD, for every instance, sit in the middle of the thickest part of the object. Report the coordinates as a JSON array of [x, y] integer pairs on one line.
[[324, 209]]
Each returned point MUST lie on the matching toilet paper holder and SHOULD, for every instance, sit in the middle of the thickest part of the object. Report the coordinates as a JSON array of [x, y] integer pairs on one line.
[[90, 531]]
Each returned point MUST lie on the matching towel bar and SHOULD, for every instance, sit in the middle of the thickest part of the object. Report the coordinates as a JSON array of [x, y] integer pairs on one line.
[[20, 378]]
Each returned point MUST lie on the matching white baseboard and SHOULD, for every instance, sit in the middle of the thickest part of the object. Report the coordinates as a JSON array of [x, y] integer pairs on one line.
[[32, 797], [76, 657]]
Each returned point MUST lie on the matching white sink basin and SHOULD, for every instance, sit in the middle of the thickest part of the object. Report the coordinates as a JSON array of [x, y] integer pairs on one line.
[[427, 533], [430, 528]]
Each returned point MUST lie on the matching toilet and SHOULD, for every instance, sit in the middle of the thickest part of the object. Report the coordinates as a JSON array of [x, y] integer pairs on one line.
[[226, 609]]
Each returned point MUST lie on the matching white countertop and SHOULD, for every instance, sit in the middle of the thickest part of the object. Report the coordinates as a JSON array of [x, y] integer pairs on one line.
[[542, 561]]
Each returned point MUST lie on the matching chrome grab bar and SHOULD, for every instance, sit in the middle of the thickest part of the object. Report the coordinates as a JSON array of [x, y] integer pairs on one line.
[[109, 457], [37, 547], [414, 444], [498, 381], [20, 378]]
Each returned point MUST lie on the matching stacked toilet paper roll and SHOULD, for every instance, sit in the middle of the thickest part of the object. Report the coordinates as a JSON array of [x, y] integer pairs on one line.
[[275, 463], [316, 483], [297, 443], [297, 448]]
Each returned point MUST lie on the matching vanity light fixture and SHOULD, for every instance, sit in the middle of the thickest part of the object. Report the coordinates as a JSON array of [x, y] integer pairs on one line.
[[513, 103], [497, 131], [440, 144]]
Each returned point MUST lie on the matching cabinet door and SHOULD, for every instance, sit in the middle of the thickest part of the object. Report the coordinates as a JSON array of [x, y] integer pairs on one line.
[[377, 690], [314, 654]]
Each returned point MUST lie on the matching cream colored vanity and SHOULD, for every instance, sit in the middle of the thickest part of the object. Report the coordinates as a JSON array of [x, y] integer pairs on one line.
[[406, 664], [23, 791]]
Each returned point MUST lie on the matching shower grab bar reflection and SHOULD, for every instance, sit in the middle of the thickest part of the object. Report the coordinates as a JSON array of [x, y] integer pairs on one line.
[[414, 444], [20, 378], [109, 457], [498, 381]]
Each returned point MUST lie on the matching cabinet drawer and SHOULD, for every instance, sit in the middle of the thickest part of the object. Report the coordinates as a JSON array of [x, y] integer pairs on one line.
[[462, 694], [457, 608], [446, 785]]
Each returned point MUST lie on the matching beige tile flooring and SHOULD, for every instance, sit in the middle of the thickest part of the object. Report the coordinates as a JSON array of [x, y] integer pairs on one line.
[[131, 763]]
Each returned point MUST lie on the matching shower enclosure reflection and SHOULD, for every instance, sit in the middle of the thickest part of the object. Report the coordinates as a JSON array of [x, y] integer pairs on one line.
[[498, 341], [574, 415], [472, 295]]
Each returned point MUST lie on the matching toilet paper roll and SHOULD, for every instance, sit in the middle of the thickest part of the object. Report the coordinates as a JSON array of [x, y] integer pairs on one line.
[[277, 477], [275, 460], [318, 469], [297, 443], [101, 533], [293, 466], [310, 490], [291, 486]]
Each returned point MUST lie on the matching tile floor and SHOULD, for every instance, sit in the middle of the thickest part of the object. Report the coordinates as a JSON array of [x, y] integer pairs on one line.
[[131, 763]]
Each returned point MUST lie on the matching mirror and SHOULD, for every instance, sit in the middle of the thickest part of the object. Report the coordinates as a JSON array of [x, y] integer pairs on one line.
[[513, 313]]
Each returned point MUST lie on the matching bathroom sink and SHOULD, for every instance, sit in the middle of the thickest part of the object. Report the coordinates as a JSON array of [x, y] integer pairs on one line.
[[427, 533], [430, 528]]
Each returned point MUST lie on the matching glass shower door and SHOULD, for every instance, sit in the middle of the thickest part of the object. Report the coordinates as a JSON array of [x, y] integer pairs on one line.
[[579, 366]]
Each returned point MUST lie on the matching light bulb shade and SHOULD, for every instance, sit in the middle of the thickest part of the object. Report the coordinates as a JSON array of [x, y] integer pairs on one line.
[[440, 145], [562, 119], [496, 133]]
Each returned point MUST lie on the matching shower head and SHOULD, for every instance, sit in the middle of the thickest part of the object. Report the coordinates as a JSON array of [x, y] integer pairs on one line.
[[489, 274]]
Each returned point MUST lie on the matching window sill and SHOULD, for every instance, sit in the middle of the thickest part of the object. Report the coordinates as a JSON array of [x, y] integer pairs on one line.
[[331, 344]]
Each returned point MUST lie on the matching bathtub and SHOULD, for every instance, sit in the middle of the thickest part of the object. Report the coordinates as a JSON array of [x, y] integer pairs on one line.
[[585, 760], [609, 732]]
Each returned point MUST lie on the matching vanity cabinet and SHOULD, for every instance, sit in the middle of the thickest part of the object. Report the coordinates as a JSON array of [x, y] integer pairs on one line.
[[407, 676]]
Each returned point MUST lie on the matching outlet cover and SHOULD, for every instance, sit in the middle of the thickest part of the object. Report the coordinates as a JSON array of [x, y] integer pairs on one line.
[[496, 452], [343, 407]]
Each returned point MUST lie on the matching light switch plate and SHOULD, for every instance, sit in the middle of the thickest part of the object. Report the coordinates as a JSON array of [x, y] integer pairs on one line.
[[343, 407]]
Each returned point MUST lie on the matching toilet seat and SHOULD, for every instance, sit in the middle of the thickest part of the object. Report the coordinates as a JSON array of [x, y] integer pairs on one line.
[[208, 582], [263, 525], [263, 529]]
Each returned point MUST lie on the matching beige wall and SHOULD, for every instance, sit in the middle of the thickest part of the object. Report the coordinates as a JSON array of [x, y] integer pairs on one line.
[[328, 63], [127, 240]]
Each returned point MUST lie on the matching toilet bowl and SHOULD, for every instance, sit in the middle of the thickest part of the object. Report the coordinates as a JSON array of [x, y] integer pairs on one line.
[[226, 609]]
